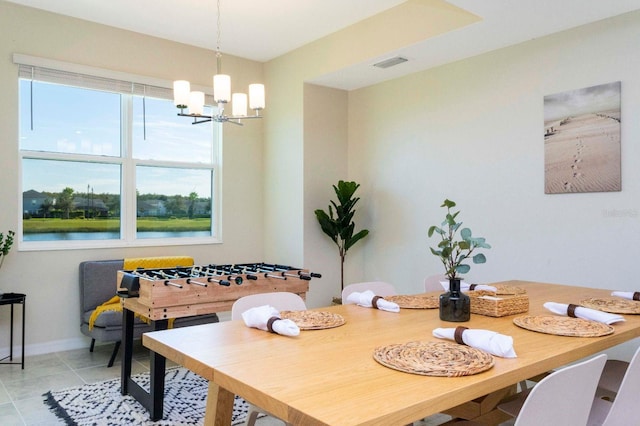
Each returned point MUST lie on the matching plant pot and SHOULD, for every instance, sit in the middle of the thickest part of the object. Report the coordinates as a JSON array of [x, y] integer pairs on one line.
[[455, 306]]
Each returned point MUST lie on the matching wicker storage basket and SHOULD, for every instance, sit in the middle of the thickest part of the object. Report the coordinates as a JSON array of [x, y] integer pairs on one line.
[[492, 305]]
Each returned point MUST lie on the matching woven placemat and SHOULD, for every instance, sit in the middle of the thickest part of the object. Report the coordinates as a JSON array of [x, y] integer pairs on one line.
[[430, 301], [443, 359], [613, 305], [313, 320], [563, 326]]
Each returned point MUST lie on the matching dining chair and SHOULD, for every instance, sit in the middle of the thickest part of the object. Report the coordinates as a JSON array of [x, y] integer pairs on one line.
[[432, 283], [620, 411], [612, 375], [282, 301], [380, 288], [564, 397]]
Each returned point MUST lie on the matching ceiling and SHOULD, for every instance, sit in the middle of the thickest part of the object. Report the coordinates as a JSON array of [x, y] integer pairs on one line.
[[262, 30]]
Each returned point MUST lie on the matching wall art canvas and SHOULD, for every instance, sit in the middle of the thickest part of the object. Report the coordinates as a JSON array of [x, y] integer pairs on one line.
[[582, 140]]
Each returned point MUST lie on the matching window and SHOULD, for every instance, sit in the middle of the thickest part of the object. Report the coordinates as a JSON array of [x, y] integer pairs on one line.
[[107, 162]]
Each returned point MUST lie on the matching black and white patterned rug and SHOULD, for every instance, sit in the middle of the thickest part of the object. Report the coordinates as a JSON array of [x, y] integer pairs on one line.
[[103, 404]]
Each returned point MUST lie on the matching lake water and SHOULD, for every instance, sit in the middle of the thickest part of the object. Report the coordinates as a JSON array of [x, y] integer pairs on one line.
[[64, 236]]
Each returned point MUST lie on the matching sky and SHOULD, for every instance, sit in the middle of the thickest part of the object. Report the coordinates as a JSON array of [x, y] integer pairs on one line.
[[582, 101], [77, 121]]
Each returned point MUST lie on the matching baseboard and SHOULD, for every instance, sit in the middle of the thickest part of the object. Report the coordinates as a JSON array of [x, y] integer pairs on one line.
[[48, 347]]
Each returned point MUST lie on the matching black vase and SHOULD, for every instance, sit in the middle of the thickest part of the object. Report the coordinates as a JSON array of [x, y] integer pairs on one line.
[[455, 306]]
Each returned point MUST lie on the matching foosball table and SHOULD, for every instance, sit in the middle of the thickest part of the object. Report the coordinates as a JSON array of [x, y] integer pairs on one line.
[[162, 294]]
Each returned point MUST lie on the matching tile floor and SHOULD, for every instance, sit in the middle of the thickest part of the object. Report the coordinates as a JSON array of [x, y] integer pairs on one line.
[[21, 400]]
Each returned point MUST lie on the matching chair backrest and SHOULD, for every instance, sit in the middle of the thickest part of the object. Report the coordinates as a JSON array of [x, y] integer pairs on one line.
[[281, 300], [380, 288], [432, 282], [622, 411], [564, 397]]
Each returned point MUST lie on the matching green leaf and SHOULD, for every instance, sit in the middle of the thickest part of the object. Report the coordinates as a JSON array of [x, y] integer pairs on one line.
[[462, 269], [448, 204], [479, 258], [360, 235], [465, 234]]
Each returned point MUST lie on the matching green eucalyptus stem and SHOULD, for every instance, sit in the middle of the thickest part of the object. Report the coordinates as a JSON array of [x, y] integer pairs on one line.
[[453, 253]]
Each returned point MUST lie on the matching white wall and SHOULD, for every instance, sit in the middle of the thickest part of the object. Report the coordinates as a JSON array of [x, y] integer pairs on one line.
[[472, 131], [50, 278]]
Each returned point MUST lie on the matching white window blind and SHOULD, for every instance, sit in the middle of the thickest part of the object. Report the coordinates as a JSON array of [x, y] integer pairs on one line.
[[51, 71]]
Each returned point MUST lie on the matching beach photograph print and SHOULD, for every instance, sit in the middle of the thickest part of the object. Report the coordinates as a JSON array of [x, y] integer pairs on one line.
[[582, 140]]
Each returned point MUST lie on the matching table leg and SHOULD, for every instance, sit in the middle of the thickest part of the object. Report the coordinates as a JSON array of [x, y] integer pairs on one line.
[[127, 339], [219, 409], [483, 410], [154, 399], [11, 336], [24, 307]]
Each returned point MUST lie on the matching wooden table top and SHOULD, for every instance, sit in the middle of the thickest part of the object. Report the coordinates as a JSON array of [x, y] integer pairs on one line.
[[329, 377]]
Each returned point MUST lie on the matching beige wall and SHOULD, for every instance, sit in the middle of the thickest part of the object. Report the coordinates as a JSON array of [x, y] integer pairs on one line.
[[325, 162], [472, 131], [50, 278]]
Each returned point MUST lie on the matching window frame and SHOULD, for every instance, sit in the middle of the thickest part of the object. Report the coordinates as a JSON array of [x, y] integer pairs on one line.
[[141, 86]]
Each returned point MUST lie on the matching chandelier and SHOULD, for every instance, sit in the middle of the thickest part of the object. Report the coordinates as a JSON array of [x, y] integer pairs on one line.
[[194, 101]]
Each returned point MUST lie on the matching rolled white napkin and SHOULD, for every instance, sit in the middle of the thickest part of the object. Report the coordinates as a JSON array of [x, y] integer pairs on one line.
[[489, 341], [584, 313], [631, 295], [468, 287], [365, 299], [263, 317]]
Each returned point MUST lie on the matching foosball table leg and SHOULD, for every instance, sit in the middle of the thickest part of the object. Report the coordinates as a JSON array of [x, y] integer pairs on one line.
[[127, 355], [153, 400]]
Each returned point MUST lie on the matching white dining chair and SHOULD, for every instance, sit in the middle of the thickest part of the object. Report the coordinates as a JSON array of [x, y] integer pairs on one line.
[[564, 397], [622, 410], [432, 283], [612, 375], [282, 301], [380, 288]]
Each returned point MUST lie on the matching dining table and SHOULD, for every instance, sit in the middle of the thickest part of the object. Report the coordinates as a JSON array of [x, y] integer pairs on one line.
[[330, 377]]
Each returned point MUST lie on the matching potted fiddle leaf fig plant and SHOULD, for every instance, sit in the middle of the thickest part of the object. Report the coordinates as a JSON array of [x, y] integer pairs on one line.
[[5, 245], [338, 224], [454, 253]]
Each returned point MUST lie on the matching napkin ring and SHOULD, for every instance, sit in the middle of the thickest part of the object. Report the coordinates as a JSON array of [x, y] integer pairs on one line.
[[571, 310], [270, 323], [457, 335], [636, 295], [374, 301]]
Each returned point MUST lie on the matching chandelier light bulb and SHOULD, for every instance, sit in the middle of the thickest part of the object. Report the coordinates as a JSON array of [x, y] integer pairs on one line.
[[181, 90], [196, 103], [221, 88], [239, 103], [256, 96]]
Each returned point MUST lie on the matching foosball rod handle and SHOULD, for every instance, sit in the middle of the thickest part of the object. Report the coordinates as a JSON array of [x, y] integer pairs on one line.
[[300, 276], [167, 282], [252, 277], [221, 282], [310, 274], [280, 277], [190, 281]]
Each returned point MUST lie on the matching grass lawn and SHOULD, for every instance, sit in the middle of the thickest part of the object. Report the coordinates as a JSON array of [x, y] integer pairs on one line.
[[152, 224]]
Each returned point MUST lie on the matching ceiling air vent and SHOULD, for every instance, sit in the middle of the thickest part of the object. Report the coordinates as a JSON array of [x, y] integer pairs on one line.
[[390, 62]]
